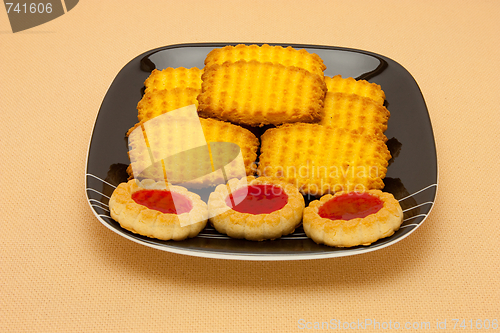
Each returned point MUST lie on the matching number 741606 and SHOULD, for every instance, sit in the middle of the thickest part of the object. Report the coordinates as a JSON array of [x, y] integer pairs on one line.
[[29, 8]]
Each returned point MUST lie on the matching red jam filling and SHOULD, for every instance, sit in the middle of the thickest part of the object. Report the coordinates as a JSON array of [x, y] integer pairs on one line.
[[260, 199], [350, 206], [164, 201]]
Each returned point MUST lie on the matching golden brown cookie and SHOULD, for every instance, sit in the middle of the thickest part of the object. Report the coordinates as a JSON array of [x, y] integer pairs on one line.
[[319, 160], [257, 208], [358, 87], [354, 112], [254, 93], [158, 102], [170, 78], [194, 168], [150, 209], [351, 219]]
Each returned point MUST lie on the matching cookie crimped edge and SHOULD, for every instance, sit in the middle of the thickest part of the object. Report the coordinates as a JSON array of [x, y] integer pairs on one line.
[[354, 232], [255, 227], [148, 222], [318, 68]]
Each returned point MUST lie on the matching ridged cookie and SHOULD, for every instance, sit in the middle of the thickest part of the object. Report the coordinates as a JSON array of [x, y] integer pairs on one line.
[[170, 78], [359, 87], [256, 94], [319, 160], [193, 163], [157, 102], [354, 112]]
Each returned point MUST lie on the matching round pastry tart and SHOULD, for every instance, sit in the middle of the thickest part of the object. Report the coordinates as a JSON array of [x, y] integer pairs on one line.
[[351, 219], [256, 208], [150, 209]]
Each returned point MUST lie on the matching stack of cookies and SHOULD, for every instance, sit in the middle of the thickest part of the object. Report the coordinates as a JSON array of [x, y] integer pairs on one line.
[[170, 90], [324, 134]]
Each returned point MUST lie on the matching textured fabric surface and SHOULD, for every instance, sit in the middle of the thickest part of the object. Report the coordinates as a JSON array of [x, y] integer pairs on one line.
[[61, 270]]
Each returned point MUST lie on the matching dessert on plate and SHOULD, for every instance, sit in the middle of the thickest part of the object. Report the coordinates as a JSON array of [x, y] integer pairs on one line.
[[256, 208], [354, 112], [319, 159], [171, 78], [349, 85], [348, 219], [153, 210], [193, 167], [260, 93], [157, 102]]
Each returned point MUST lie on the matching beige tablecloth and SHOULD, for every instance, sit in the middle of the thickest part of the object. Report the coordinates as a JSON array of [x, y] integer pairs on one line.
[[63, 271]]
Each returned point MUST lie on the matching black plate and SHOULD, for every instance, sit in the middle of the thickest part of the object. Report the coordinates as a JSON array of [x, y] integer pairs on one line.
[[411, 176]]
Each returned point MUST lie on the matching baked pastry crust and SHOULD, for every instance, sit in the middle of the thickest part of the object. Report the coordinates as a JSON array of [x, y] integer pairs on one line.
[[354, 232], [148, 222], [255, 227]]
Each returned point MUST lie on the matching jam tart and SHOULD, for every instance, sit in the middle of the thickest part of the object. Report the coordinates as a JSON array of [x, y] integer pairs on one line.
[[256, 208], [351, 219], [150, 209]]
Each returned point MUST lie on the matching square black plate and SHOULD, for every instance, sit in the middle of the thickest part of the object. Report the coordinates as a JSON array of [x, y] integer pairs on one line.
[[411, 177]]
